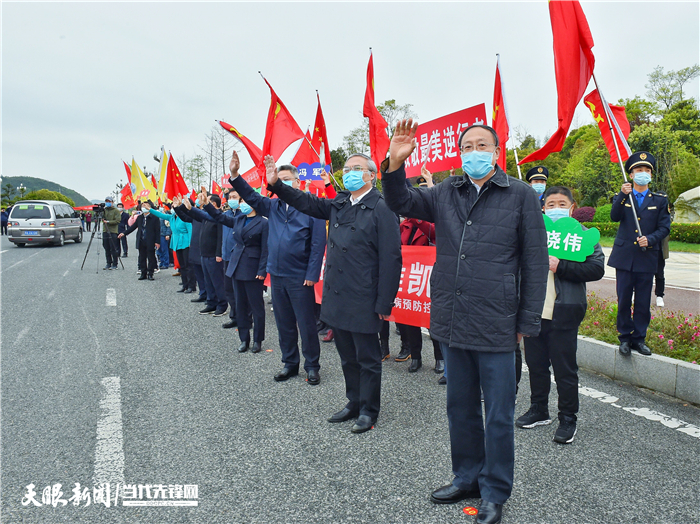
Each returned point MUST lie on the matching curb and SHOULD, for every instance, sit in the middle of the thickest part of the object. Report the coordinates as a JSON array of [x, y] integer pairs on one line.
[[667, 375]]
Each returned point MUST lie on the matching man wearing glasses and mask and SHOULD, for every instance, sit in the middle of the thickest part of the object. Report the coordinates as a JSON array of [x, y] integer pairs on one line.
[[363, 268]]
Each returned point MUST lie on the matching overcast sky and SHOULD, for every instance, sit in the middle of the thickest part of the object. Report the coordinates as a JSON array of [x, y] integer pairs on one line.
[[87, 85]]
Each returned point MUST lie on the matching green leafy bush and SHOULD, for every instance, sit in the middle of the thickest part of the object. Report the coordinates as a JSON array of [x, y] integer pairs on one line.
[[688, 233], [602, 214]]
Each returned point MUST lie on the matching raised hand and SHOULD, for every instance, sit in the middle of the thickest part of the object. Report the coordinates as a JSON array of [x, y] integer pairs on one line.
[[203, 197], [427, 175], [187, 203], [402, 143], [177, 200], [270, 169], [234, 165]]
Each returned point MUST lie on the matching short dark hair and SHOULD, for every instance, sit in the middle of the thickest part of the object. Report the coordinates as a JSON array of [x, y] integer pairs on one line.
[[216, 199], [290, 168], [491, 129], [559, 190]]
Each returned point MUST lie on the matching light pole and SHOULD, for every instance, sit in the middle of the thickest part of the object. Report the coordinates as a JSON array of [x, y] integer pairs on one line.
[[21, 190]]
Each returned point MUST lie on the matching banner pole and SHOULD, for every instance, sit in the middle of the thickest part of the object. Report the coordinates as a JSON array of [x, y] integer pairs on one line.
[[517, 163]]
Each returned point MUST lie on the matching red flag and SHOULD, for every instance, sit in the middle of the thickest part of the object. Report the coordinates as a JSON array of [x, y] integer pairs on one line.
[[281, 129], [619, 122], [127, 198], [174, 183], [128, 171], [499, 120], [573, 67], [253, 150], [378, 139], [193, 196], [254, 176], [215, 188], [306, 152], [320, 138]]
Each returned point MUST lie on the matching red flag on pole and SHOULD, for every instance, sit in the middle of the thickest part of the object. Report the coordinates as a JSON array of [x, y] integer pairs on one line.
[[215, 188], [306, 152], [174, 183], [378, 138], [320, 138], [128, 171], [193, 196], [127, 198], [253, 150], [573, 67], [499, 120], [620, 124], [281, 129]]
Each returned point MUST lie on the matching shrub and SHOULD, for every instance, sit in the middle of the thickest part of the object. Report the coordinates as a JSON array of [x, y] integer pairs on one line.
[[607, 229], [602, 214], [45, 194], [583, 214]]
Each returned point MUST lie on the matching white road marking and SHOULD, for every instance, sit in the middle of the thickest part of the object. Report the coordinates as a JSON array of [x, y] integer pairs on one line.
[[64, 274], [21, 335], [51, 293], [25, 259], [75, 260], [4, 251], [109, 451], [111, 297]]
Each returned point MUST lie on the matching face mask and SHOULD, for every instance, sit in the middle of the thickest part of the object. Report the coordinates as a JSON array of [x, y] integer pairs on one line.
[[477, 164], [353, 180], [642, 178], [233, 204], [108, 204], [245, 208], [539, 188], [288, 182], [557, 213], [145, 211], [121, 209]]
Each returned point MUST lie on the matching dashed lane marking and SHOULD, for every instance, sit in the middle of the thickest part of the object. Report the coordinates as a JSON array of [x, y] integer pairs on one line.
[[23, 260], [21, 335], [109, 450], [111, 297]]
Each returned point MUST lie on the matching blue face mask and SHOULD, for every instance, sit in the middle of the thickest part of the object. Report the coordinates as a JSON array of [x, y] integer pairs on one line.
[[245, 208], [539, 188], [557, 213], [642, 178], [108, 204], [353, 180], [477, 164], [233, 204], [288, 182]]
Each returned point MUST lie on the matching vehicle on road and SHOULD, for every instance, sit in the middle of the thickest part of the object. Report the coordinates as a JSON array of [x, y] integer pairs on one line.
[[43, 221]]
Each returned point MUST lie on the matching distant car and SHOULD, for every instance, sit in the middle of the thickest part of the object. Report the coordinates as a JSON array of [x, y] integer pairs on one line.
[[43, 221]]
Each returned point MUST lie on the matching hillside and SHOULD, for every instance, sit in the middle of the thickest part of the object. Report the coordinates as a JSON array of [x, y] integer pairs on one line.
[[34, 184]]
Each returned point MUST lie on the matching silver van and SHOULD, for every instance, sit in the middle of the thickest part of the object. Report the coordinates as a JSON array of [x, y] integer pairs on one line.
[[43, 221]]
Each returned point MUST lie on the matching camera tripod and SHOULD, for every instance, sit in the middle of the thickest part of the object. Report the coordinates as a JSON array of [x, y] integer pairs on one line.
[[111, 240]]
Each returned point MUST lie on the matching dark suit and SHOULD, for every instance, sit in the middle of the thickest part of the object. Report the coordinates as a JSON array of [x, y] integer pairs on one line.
[[148, 235], [636, 268], [123, 225]]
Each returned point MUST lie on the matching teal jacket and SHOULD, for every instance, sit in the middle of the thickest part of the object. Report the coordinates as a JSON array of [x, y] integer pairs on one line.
[[182, 231]]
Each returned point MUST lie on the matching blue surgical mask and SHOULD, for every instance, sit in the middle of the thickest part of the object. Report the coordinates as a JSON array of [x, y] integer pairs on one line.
[[557, 213], [108, 204], [642, 178], [353, 180], [233, 204], [539, 188], [245, 208], [288, 182], [477, 164]]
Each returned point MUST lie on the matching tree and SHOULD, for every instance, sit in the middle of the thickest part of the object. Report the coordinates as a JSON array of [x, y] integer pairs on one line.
[[357, 141], [667, 88], [638, 110], [7, 192], [338, 158], [684, 120], [45, 194], [195, 171]]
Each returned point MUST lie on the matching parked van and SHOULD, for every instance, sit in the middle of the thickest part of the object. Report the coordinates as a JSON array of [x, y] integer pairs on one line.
[[43, 221]]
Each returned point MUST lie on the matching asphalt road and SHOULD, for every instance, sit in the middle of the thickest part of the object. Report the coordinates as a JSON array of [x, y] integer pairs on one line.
[[132, 386]]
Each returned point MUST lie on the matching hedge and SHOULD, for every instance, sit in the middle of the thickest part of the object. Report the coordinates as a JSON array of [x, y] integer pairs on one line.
[[689, 233]]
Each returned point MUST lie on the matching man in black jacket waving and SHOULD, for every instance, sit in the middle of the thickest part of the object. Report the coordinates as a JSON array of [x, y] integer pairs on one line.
[[487, 292], [149, 236]]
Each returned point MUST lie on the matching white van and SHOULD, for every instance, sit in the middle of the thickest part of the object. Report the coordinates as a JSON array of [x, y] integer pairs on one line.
[[43, 221]]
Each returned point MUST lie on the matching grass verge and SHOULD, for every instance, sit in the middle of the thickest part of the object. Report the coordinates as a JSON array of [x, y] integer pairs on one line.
[[673, 245]]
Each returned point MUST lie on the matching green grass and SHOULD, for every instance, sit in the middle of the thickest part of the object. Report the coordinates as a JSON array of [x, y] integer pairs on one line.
[[673, 245]]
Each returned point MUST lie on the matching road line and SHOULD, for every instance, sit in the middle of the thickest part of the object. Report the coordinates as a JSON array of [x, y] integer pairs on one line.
[[4, 251], [75, 260], [30, 256], [51, 293], [21, 335], [64, 274], [111, 297], [109, 451]]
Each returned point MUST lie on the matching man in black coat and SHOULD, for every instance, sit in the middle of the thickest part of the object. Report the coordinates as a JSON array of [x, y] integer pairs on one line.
[[148, 235], [487, 291], [635, 267], [122, 244], [363, 268]]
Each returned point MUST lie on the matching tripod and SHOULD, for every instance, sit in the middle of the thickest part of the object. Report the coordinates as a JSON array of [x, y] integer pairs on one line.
[[111, 241]]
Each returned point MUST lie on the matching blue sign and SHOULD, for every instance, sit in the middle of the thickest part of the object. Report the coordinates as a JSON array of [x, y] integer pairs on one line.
[[312, 171]]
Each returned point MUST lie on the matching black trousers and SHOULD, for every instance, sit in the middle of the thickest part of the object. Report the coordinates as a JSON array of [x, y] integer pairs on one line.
[[147, 259], [88, 225], [361, 360], [230, 294], [249, 299], [198, 273], [122, 245], [413, 338], [558, 348], [110, 243], [633, 330], [186, 269], [659, 277], [3, 229], [384, 330]]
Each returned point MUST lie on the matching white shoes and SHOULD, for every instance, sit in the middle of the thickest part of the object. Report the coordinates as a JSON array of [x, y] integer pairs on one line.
[[660, 301]]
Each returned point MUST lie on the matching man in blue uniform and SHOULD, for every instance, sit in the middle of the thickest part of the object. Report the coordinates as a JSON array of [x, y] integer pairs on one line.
[[537, 178], [635, 253]]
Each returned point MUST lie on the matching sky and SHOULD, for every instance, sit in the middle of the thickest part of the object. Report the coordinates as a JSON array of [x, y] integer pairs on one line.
[[87, 85]]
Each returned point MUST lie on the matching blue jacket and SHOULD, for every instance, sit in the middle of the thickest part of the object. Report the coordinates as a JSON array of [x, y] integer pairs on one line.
[[296, 242], [248, 258], [165, 230], [123, 223], [4, 216], [181, 231], [655, 223], [195, 253]]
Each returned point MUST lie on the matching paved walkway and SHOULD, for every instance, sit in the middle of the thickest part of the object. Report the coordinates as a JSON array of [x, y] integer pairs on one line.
[[682, 269]]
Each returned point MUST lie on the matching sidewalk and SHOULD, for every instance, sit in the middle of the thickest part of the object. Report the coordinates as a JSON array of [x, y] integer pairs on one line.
[[682, 269]]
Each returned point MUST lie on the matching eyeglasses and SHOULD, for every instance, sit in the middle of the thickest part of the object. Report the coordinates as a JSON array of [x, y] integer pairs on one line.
[[481, 146], [347, 169]]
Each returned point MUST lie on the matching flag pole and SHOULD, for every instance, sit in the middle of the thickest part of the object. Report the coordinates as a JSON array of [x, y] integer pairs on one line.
[[619, 158], [520, 175]]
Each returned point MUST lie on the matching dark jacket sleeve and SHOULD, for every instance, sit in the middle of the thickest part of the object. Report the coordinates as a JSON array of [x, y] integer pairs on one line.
[[317, 249], [199, 215], [262, 266], [133, 226], [663, 226], [618, 207], [305, 202], [389, 238], [534, 267], [219, 239], [590, 270], [258, 202], [181, 211], [409, 202], [218, 216]]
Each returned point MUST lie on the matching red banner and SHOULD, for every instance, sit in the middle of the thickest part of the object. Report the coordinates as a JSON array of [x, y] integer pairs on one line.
[[437, 141]]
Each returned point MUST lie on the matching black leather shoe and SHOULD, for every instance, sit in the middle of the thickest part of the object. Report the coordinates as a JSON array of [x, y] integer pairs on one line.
[[641, 348], [181, 290], [343, 415], [450, 494], [230, 324], [384, 345], [489, 513], [442, 380], [362, 424], [143, 277], [403, 355], [416, 364], [286, 374], [625, 350], [439, 366], [207, 310], [150, 277], [257, 347], [188, 291], [312, 377], [243, 347], [199, 299]]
